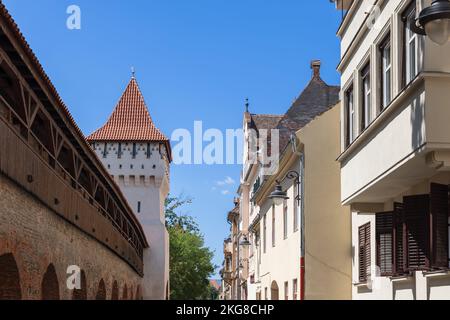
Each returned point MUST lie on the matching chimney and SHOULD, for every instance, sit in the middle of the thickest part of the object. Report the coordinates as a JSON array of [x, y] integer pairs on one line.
[[315, 66]]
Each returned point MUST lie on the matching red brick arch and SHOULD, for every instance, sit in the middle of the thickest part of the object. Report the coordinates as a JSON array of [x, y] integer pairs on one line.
[[9, 278], [138, 293], [81, 294], [131, 293], [125, 292], [115, 291], [101, 292], [50, 284]]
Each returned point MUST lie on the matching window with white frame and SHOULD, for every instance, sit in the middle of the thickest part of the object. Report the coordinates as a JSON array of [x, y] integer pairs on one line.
[[386, 72], [410, 46], [366, 107], [350, 115]]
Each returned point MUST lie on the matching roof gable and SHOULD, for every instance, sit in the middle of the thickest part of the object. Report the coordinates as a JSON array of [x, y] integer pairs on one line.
[[130, 120]]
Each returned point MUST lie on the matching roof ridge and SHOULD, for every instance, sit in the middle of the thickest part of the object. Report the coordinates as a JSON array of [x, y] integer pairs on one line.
[[266, 115]]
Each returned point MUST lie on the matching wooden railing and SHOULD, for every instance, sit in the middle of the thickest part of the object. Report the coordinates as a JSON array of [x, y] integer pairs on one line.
[[39, 173]]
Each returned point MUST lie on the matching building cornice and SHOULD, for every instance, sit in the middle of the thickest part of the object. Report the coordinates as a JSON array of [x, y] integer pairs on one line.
[[348, 17], [356, 41]]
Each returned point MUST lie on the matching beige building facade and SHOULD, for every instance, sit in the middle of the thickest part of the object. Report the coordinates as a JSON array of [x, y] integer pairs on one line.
[[395, 151], [286, 252], [322, 270]]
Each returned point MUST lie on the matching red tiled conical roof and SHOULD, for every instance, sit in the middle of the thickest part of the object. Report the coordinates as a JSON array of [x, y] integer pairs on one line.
[[130, 120]]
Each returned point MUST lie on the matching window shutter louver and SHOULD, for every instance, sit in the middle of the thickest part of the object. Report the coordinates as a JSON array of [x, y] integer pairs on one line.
[[417, 220], [399, 240], [385, 241], [439, 220], [364, 252]]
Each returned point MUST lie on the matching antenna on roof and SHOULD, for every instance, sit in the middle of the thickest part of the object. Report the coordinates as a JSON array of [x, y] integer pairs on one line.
[[133, 73], [247, 105]]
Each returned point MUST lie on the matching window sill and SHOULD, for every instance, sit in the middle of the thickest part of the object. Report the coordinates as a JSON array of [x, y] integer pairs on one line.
[[361, 285], [436, 274], [405, 278]]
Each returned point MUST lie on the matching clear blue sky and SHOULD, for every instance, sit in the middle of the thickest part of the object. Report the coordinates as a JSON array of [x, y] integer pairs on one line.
[[195, 60]]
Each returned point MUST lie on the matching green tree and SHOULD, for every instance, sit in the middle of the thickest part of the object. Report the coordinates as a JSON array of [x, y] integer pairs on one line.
[[190, 260], [212, 294]]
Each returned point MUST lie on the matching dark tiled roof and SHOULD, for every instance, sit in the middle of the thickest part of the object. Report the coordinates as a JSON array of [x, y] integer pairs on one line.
[[265, 121], [316, 99]]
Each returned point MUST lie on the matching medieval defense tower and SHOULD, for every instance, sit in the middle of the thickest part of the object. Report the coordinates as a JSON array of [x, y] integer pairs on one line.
[[138, 156]]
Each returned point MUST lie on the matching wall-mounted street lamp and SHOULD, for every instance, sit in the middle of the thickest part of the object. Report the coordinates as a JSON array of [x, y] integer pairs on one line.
[[434, 21], [245, 244], [279, 196]]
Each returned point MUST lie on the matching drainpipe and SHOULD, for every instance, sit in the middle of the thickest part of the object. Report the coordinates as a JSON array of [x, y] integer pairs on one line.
[[302, 227]]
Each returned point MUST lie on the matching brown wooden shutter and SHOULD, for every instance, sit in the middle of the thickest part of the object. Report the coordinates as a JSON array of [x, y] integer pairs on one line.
[[364, 252], [439, 209], [399, 240], [417, 220], [385, 241]]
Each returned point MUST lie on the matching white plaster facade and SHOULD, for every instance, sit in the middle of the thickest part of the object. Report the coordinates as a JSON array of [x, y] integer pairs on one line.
[[143, 177], [273, 259], [405, 145], [137, 155], [274, 254]]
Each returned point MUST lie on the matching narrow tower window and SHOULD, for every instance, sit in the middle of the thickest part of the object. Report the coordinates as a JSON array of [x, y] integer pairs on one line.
[[134, 151], [149, 153], [119, 151]]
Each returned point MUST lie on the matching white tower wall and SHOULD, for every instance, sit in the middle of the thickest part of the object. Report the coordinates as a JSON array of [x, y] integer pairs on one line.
[[143, 177]]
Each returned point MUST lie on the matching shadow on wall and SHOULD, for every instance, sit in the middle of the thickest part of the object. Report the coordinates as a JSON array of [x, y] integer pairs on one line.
[[438, 288], [11, 286], [50, 284], [404, 290], [417, 117], [9, 278]]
